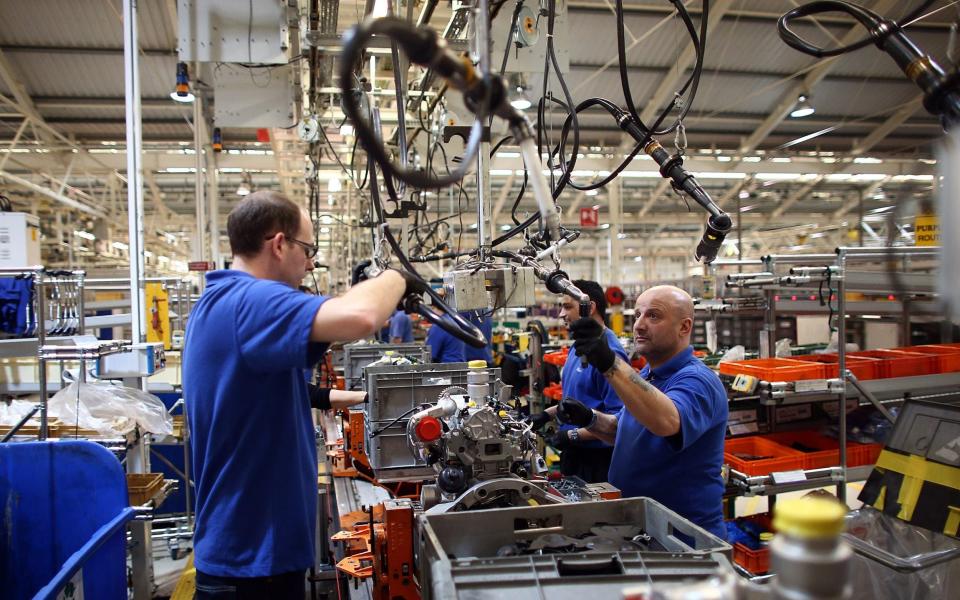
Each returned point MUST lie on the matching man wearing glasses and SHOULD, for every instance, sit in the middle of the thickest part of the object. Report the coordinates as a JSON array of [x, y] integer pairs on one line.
[[249, 338]]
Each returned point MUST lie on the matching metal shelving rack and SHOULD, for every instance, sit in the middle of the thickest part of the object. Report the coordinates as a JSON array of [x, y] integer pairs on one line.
[[809, 271], [43, 281]]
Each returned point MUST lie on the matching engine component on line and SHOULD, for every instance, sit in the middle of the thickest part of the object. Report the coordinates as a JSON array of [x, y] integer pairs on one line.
[[469, 436]]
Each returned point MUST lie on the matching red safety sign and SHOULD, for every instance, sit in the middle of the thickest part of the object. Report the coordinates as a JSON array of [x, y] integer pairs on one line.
[[589, 216], [200, 265]]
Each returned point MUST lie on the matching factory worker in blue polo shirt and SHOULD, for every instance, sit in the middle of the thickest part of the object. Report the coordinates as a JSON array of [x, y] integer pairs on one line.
[[485, 324], [668, 439], [249, 339], [582, 453], [444, 348], [401, 329]]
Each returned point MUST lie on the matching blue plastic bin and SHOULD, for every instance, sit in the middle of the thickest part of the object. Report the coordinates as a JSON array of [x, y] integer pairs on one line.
[[65, 507]]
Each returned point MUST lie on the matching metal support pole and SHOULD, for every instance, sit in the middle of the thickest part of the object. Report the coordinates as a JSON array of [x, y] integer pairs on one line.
[[485, 231], [134, 168], [138, 459], [768, 335], [199, 243], [842, 365], [41, 324]]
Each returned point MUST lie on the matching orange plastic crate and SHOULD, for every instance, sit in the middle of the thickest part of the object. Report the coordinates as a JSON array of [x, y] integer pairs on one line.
[[948, 357], [861, 366], [558, 358], [755, 561], [896, 363], [554, 391], [774, 369], [826, 450], [776, 457]]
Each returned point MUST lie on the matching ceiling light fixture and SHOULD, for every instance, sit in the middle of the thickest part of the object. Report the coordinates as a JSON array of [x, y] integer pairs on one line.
[[518, 97], [246, 185], [803, 108], [182, 92]]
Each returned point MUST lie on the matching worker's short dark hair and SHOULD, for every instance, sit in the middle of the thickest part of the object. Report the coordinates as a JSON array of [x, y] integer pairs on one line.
[[593, 289], [259, 216]]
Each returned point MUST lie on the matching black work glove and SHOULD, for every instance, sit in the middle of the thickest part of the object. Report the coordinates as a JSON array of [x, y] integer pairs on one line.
[[538, 420], [561, 440], [590, 342], [574, 412]]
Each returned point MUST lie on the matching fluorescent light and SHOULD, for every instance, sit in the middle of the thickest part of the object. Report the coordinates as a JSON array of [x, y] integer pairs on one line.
[[380, 8], [500, 172], [605, 226], [803, 108], [621, 236], [508, 155], [744, 195], [521, 103], [326, 219], [334, 185], [85, 235], [637, 259], [120, 246], [751, 159], [867, 160], [188, 98], [724, 159], [324, 230], [780, 159], [591, 192], [502, 227], [346, 130], [179, 170]]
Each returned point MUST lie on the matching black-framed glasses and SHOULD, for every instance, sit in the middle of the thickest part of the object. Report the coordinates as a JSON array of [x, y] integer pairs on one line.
[[309, 249]]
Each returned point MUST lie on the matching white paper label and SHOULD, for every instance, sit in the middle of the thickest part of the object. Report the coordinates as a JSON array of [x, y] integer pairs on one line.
[[788, 476], [437, 381], [743, 428], [810, 385], [741, 416], [74, 588]]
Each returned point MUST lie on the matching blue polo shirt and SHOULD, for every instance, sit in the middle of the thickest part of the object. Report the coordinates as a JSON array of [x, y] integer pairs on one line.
[[401, 327], [444, 348], [252, 437], [589, 386], [681, 471], [485, 323]]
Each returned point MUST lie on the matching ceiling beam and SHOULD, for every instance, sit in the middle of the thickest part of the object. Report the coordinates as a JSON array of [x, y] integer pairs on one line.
[[671, 80], [794, 198], [654, 196], [805, 86], [887, 127]]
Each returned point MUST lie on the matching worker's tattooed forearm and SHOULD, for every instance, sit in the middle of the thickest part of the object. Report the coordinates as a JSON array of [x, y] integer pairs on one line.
[[633, 376], [642, 383]]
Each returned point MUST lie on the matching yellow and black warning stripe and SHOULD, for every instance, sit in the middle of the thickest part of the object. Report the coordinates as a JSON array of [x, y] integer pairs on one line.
[[920, 491]]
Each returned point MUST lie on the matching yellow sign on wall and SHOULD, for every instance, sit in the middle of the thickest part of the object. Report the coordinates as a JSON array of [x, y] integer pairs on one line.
[[926, 230], [158, 314]]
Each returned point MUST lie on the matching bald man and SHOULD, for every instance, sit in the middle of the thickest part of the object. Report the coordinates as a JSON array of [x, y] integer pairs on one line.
[[668, 439]]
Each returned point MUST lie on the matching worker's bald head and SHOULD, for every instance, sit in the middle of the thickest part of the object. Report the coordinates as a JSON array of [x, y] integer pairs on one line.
[[663, 323], [680, 300]]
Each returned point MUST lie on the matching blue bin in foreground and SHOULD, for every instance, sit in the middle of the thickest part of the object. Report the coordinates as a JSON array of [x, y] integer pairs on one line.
[[65, 508]]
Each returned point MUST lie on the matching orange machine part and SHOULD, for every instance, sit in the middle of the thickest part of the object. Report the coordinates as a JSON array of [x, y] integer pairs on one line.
[[387, 555]]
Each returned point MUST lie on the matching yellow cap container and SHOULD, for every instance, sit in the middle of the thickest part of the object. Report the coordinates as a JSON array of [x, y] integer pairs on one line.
[[809, 518], [477, 364]]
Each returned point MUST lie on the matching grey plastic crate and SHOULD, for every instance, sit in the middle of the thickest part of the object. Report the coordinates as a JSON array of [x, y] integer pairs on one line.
[[396, 389], [389, 449], [458, 552], [357, 356]]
